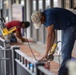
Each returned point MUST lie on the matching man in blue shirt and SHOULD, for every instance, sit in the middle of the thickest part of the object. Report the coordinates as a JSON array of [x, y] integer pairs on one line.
[[57, 19]]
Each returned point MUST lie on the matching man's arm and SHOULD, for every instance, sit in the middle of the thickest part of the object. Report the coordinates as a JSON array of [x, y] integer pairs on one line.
[[49, 40], [18, 34]]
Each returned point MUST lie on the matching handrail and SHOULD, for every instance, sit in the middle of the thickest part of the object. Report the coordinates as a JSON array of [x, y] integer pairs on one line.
[[25, 61], [25, 56], [26, 68], [31, 66], [44, 70], [5, 58]]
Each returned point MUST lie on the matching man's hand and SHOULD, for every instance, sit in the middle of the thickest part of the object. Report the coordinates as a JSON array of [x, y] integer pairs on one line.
[[44, 57], [23, 40], [32, 41], [27, 40], [18, 34]]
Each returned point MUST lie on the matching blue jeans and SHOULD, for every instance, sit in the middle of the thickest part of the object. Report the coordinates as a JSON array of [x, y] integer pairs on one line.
[[68, 40], [13, 38]]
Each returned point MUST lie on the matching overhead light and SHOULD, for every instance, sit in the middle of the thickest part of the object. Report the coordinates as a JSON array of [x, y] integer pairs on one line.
[[22, 3]]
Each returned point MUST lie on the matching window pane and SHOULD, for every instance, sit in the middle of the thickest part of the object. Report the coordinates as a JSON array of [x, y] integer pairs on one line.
[[74, 3], [47, 4], [55, 3], [67, 4], [40, 4], [34, 5]]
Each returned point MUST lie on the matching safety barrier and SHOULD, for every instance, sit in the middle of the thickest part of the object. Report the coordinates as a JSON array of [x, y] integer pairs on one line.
[[26, 65], [15, 62], [5, 58]]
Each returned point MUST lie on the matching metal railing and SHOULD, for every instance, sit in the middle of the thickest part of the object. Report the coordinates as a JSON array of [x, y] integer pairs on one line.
[[5, 58], [15, 62], [43, 71], [28, 65]]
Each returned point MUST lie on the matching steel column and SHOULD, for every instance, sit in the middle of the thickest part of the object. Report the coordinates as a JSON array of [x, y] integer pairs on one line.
[[51, 3], [71, 2], [37, 31]]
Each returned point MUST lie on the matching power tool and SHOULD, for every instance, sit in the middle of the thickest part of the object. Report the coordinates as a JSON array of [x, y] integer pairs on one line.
[[4, 30], [52, 51]]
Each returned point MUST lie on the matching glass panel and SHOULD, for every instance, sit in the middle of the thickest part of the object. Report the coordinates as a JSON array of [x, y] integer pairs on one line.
[[5, 10], [33, 28], [41, 28], [34, 5], [47, 4], [40, 4], [67, 4], [55, 3], [74, 3]]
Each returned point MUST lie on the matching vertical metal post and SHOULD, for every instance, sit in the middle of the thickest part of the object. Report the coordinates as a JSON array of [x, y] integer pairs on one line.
[[9, 10], [14, 68], [19, 1], [43, 4], [24, 18], [24, 13], [2, 13], [51, 3], [2, 6], [37, 70], [4, 9], [37, 8], [10, 61], [14, 1], [63, 3], [4, 58], [44, 34], [71, 4], [61, 32], [31, 9], [28, 16]]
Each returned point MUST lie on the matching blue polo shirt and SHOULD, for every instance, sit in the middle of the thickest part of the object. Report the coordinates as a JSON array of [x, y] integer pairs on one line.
[[60, 17]]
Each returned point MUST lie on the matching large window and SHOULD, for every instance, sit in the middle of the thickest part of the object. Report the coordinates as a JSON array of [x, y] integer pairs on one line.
[[55, 3], [74, 3], [34, 5], [40, 4], [67, 4], [5, 10], [47, 4]]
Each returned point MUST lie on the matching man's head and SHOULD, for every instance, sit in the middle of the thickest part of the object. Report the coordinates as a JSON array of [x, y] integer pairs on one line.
[[25, 24], [37, 18]]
